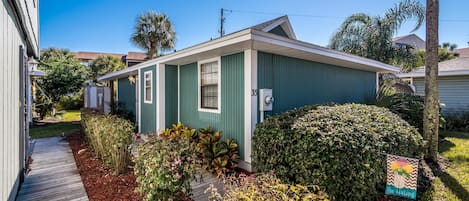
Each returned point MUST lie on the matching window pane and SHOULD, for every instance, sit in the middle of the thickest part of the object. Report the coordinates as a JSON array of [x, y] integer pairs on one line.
[[209, 95], [148, 93], [209, 85]]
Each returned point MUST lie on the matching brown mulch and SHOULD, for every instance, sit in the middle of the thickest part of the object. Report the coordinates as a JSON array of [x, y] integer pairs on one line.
[[98, 179]]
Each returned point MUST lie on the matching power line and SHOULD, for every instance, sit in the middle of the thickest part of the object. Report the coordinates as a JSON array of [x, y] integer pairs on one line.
[[325, 16]]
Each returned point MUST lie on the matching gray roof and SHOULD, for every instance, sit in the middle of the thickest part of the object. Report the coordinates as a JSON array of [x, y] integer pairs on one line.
[[458, 66], [463, 52], [411, 39], [263, 25], [450, 65]]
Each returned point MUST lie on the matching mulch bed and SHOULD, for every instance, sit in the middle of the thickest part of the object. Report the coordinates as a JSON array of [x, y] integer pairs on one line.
[[99, 182]]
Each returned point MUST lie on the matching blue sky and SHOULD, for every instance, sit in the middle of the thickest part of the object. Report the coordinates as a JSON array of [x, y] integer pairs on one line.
[[106, 25]]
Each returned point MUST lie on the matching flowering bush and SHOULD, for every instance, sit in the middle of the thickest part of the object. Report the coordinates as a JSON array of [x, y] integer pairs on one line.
[[165, 167]]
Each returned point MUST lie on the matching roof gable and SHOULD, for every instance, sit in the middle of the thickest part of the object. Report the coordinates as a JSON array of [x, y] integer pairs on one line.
[[280, 26]]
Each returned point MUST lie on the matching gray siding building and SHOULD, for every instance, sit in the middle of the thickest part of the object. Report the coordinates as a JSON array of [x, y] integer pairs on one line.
[[453, 84], [19, 43]]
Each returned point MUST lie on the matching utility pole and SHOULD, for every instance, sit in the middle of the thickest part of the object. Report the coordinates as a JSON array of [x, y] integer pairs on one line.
[[222, 21]]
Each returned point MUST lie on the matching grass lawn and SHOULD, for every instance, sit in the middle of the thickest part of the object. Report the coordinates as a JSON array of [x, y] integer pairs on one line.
[[71, 115], [453, 184], [56, 129]]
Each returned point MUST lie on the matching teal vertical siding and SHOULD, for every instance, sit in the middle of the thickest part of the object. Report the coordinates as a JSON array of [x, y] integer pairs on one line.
[[148, 110], [278, 31], [231, 118], [126, 95], [171, 95], [297, 82]]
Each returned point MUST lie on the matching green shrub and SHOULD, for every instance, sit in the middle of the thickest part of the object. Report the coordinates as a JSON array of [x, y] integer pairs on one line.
[[337, 147], [264, 187], [70, 102], [408, 106], [109, 137], [121, 111], [165, 167], [217, 156], [457, 122]]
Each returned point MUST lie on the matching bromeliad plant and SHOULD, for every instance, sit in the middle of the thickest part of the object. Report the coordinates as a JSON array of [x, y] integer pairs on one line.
[[218, 156]]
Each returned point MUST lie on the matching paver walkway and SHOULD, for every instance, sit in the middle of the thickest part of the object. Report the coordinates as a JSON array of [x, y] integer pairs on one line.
[[54, 174]]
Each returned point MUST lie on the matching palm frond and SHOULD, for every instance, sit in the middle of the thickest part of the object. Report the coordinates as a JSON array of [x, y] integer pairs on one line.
[[403, 11]]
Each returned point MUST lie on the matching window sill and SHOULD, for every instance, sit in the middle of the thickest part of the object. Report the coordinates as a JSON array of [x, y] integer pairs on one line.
[[217, 111]]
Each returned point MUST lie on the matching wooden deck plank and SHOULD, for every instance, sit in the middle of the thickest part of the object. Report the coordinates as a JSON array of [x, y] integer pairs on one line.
[[54, 175], [199, 187]]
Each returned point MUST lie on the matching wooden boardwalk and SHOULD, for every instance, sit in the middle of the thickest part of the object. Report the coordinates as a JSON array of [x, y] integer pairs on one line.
[[54, 175], [199, 187]]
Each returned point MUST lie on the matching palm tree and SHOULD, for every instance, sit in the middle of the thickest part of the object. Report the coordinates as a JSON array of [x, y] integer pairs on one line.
[[154, 32], [371, 37], [432, 107]]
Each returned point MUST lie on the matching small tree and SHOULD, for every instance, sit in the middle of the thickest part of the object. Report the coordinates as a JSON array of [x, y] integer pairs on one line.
[[64, 76], [105, 64]]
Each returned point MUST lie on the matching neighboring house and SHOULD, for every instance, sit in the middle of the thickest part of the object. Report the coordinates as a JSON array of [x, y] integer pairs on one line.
[[462, 52], [19, 40], [86, 58], [129, 59], [134, 58], [217, 83], [409, 40], [453, 84]]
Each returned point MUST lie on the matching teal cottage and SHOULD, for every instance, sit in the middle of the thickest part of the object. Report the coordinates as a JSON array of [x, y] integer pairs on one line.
[[230, 83]]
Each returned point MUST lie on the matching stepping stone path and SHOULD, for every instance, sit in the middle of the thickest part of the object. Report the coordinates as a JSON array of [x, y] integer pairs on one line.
[[54, 174]]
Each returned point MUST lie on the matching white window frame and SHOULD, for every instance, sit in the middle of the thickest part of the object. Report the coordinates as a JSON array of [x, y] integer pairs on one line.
[[145, 87], [199, 102]]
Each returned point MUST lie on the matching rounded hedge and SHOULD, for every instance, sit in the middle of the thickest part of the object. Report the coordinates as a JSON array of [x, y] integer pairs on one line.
[[337, 147]]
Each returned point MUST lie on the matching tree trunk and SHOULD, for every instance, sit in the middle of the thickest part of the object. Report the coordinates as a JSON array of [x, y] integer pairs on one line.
[[152, 52], [432, 106]]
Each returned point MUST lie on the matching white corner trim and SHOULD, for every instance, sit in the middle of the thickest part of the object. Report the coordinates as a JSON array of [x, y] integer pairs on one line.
[[150, 72], [179, 93], [160, 97], [199, 104], [250, 100], [139, 117], [377, 83], [117, 92]]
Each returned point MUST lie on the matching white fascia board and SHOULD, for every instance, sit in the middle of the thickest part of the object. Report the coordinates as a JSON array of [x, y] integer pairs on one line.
[[234, 38], [119, 74], [441, 73], [318, 50]]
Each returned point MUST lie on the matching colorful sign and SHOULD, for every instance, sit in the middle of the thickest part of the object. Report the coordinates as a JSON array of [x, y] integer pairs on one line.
[[402, 176]]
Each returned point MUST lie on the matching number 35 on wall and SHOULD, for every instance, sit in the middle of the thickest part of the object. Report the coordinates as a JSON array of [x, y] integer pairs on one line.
[[254, 92]]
